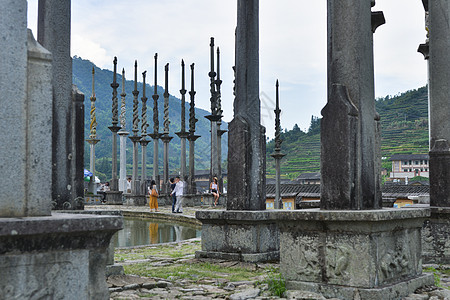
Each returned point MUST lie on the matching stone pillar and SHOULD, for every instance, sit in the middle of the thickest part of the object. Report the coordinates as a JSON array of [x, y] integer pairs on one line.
[[78, 148], [439, 104], [192, 137], [351, 247], [353, 96], [144, 141], [278, 202], [437, 228], [92, 140], [135, 138], [245, 230], [246, 138], [114, 196], [182, 134], [123, 140], [165, 136], [54, 35], [220, 132], [13, 88], [156, 135]]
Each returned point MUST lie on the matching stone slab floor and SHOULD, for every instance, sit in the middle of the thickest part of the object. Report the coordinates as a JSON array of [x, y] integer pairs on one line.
[[170, 271]]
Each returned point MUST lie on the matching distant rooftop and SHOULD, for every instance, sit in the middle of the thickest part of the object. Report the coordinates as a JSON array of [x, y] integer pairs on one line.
[[309, 176], [409, 156]]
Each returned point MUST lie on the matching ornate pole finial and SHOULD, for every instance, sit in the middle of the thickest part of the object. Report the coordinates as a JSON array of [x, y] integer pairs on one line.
[[135, 103], [93, 125], [155, 100], [183, 100], [212, 75], [144, 124], [115, 104], [166, 100], [218, 84], [192, 119], [277, 111], [123, 104]]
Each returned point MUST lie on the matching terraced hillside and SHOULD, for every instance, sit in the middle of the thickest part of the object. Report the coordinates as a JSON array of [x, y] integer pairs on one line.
[[404, 122]]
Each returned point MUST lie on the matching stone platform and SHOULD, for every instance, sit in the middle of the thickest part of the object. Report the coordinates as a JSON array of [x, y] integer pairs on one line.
[[250, 236], [436, 236], [114, 197], [135, 200], [62, 256], [373, 253]]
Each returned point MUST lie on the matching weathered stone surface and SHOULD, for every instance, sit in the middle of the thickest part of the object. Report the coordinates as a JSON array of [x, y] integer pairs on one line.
[[440, 173], [303, 295], [238, 235], [77, 167], [436, 237], [377, 253], [63, 256], [54, 35], [246, 294]]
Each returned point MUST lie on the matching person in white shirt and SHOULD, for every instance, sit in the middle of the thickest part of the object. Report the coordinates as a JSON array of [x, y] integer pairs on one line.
[[179, 189]]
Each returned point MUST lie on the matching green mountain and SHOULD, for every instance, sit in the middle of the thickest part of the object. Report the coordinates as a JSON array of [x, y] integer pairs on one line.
[[404, 125], [82, 78]]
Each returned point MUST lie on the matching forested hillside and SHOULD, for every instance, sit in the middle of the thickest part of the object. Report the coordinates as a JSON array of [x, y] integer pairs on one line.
[[82, 77], [404, 122]]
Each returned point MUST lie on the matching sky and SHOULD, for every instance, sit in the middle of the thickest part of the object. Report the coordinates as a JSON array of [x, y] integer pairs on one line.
[[292, 48]]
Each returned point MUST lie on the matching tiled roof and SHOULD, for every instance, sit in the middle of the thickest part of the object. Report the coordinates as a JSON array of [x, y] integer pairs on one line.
[[293, 190], [409, 157], [313, 190], [305, 176]]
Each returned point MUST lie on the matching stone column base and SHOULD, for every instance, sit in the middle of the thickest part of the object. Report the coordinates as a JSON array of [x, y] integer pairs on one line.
[[62, 256], [436, 237], [135, 200], [114, 198], [238, 235], [376, 253]]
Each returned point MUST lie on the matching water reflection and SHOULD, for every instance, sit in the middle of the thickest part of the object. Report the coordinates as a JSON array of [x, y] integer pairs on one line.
[[138, 232]]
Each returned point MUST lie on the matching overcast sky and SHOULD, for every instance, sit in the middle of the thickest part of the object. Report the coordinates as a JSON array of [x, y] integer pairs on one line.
[[292, 47]]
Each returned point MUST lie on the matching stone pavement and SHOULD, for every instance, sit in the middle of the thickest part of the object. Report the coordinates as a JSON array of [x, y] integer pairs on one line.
[[131, 286]]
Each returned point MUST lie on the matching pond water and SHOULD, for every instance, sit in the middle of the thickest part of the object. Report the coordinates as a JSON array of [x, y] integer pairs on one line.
[[137, 232]]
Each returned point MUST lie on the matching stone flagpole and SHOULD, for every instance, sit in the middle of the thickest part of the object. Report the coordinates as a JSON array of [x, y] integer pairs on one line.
[[144, 140], [123, 139], [135, 138], [155, 135], [183, 134], [92, 138], [192, 137], [114, 196], [165, 137], [278, 202], [220, 132]]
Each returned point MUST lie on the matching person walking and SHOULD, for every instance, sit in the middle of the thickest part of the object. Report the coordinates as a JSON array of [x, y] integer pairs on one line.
[[178, 191], [214, 187], [174, 196], [153, 195]]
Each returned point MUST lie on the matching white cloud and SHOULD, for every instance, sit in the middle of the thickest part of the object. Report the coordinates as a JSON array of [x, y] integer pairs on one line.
[[292, 46]]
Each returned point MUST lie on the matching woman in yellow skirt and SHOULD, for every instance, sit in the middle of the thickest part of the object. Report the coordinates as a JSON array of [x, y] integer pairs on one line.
[[153, 196]]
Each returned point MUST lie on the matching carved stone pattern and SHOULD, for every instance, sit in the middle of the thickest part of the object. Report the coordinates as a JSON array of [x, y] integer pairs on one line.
[[122, 110], [338, 262], [93, 127], [144, 124], [135, 113], [115, 105], [166, 114]]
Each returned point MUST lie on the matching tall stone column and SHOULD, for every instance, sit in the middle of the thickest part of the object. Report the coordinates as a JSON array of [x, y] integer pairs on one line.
[[156, 135], [54, 35], [123, 139], [277, 155], [437, 228], [192, 137], [114, 196], [369, 260], [246, 137], [183, 134], [135, 138], [144, 141], [165, 136], [439, 104], [220, 132], [215, 116], [92, 140], [244, 231]]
